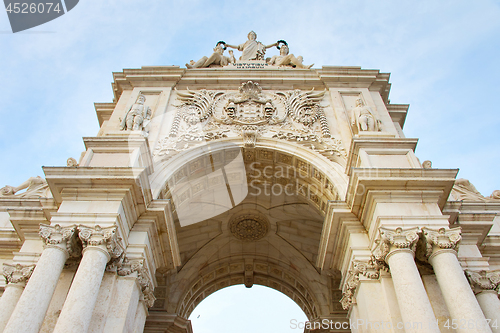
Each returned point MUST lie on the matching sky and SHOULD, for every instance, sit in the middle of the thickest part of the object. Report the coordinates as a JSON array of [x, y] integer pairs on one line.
[[442, 56]]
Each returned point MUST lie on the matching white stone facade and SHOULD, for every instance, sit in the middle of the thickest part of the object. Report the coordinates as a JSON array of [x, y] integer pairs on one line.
[[294, 178]]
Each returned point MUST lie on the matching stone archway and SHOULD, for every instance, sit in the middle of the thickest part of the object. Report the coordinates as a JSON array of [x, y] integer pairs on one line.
[[280, 247]]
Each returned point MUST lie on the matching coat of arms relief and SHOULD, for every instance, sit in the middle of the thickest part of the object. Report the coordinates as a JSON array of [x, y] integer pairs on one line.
[[250, 113]]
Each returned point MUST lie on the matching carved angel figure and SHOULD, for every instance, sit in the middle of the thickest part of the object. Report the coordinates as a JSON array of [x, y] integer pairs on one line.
[[217, 58], [252, 49], [285, 59], [364, 118], [136, 115]]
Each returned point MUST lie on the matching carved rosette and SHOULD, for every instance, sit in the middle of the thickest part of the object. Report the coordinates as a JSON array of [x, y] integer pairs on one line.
[[17, 273], [395, 239], [128, 267], [369, 269], [441, 239], [105, 238], [61, 237], [483, 280], [249, 227]]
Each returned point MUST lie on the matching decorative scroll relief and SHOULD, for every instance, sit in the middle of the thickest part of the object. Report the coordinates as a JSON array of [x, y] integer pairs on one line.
[[250, 113], [483, 280], [368, 269], [105, 237], [17, 273], [393, 239], [128, 267], [441, 239], [65, 238]]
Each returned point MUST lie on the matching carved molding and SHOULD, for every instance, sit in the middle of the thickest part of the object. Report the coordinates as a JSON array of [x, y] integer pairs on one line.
[[17, 273], [250, 113], [102, 237], [483, 280], [395, 239], [62, 237], [369, 269], [441, 239], [128, 267]]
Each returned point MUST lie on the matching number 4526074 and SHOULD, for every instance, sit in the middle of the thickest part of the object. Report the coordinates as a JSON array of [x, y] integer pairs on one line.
[[26, 8]]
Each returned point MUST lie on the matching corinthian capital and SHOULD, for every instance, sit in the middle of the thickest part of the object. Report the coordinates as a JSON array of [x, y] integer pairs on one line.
[[62, 237], [441, 239], [138, 266], [105, 238], [369, 269], [483, 280], [395, 239], [17, 273]]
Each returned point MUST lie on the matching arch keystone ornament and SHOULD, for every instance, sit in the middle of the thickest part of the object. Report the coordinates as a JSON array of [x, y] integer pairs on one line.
[[248, 168]]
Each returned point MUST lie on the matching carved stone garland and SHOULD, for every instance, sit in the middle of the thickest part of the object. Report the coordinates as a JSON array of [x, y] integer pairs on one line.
[[250, 113]]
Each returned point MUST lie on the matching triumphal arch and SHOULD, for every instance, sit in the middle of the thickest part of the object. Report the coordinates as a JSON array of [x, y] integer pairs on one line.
[[256, 170]]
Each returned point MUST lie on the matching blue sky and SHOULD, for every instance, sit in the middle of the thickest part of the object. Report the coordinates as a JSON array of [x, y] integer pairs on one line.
[[442, 56]]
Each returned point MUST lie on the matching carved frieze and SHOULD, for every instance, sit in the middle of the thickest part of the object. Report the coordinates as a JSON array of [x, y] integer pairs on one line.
[[250, 113], [17, 273]]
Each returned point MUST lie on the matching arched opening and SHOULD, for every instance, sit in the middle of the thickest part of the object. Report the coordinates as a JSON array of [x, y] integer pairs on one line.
[[242, 310]]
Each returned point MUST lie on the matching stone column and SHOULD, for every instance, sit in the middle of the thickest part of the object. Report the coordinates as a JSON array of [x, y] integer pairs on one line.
[[30, 310], [100, 245], [16, 276], [485, 285], [462, 304], [133, 285], [397, 249]]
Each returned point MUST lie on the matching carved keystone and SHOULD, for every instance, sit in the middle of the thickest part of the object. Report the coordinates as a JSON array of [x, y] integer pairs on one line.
[[17, 273]]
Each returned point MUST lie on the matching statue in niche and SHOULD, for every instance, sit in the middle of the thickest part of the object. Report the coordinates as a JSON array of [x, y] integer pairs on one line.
[[285, 59], [217, 58], [136, 115], [364, 118], [35, 187], [252, 49]]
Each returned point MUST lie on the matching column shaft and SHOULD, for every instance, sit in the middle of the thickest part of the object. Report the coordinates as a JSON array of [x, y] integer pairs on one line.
[[140, 317], [124, 306], [30, 310], [79, 305], [416, 309], [490, 304], [457, 293], [8, 302]]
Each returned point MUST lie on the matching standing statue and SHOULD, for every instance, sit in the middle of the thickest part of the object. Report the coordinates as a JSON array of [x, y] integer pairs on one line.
[[136, 115], [364, 118], [217, 58], [285, 59], [252, 49]]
